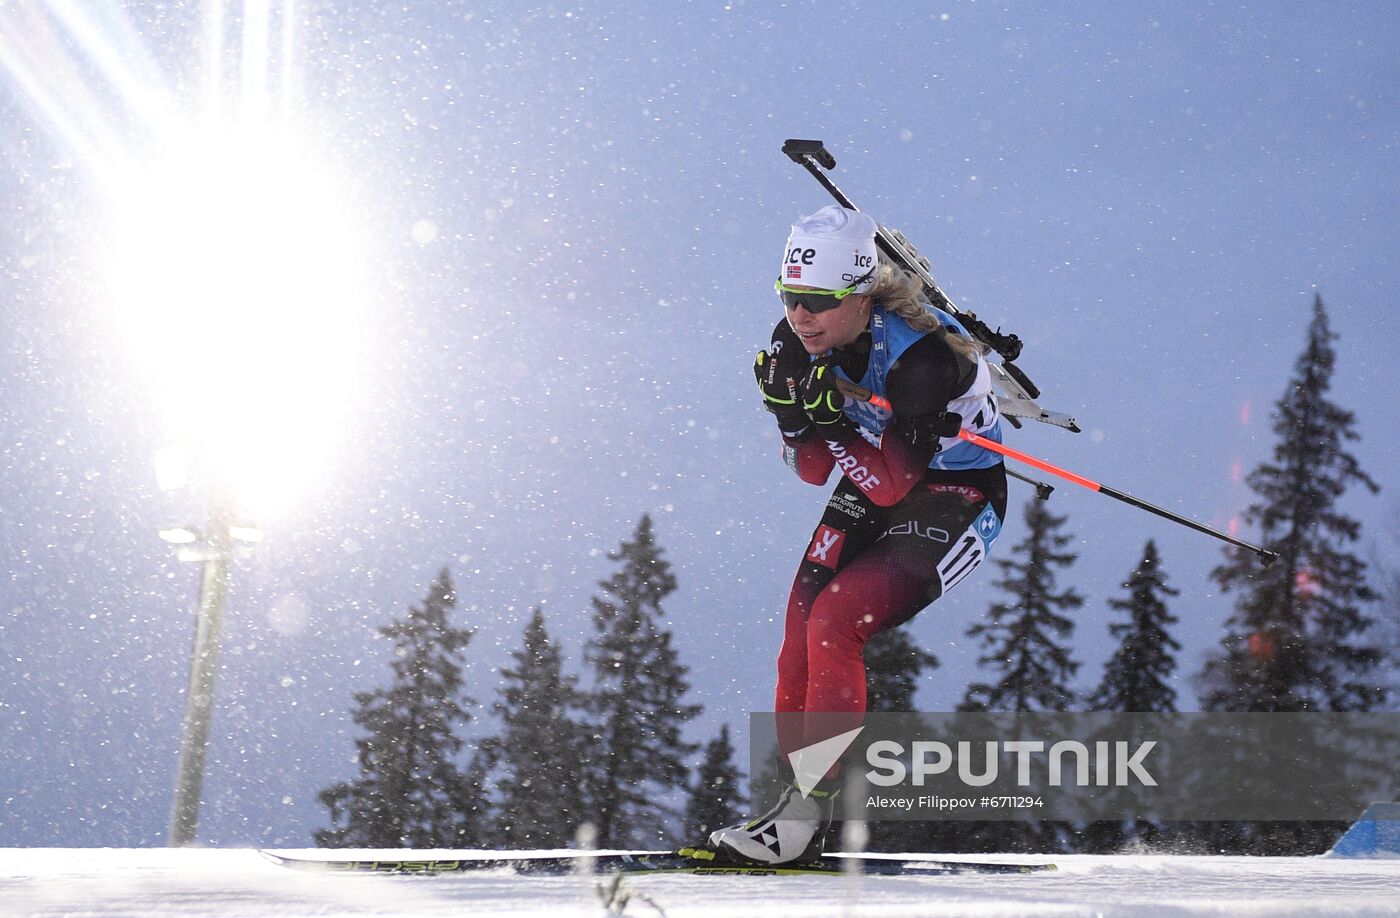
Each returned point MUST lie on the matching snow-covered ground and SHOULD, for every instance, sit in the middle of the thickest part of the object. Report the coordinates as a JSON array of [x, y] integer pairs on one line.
[[225, 883]]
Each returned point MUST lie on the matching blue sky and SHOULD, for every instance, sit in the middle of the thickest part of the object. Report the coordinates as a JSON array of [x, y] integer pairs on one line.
[[1149, 195]]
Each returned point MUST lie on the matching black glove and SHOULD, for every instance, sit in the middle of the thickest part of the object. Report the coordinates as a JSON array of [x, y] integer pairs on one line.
[[823, 402], [778, 371], [932, 427]]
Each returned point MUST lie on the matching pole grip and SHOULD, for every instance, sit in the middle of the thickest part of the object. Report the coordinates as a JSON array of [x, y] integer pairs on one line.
[[796, 150]]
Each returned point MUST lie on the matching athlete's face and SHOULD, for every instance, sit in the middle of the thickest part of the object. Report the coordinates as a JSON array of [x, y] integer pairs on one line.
[[822, 331]]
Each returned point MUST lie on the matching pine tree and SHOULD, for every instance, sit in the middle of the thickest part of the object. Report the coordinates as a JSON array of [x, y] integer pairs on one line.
[[1136, 676], [714, 798], [636, 703], [1296, 639], [1026, 639], [409, 791], [539, 803], [894, 664]]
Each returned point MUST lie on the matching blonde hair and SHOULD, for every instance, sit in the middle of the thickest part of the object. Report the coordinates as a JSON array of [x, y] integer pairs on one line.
[[903, 294]]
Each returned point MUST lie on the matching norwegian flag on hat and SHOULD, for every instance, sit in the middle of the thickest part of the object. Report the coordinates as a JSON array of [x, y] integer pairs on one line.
[[794, 272]]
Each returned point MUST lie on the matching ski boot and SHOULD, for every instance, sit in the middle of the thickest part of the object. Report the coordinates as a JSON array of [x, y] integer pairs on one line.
[[794, 830]]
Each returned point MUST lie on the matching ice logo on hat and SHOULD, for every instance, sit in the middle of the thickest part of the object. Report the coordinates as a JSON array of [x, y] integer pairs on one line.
[[831, 250]]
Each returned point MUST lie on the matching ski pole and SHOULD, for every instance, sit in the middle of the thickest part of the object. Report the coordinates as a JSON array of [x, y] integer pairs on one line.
[[1042, 490], [1265, 556]]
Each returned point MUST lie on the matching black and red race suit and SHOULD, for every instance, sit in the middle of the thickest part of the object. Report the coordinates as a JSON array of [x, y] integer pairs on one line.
[[896, 534]]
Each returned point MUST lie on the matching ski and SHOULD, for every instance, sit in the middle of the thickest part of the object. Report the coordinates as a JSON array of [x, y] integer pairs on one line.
[[655, 862]]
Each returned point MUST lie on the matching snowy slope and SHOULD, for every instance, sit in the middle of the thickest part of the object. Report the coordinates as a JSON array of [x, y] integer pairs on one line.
[[228, 883]]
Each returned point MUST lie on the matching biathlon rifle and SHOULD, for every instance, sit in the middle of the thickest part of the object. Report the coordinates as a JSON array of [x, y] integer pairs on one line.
[[1016, 394]]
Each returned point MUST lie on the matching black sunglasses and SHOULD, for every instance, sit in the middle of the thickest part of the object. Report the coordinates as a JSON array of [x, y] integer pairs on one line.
[[815, 301]]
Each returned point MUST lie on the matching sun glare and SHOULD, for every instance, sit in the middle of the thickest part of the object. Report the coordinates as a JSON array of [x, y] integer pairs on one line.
[[234, 269], [232, 262]]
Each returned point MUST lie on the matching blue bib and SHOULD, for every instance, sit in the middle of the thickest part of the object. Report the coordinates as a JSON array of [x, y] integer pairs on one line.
[[891, 336]]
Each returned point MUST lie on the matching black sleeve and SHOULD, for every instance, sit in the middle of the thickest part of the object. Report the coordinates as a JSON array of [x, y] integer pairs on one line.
[[921, 383]]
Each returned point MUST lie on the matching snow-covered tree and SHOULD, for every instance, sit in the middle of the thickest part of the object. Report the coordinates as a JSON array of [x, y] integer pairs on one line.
[[714, 796], [410, 791], [1025, 642], [538, 802], [636, 704], [1025, 639], [1300, 636], [1136, 678], [894, 664]]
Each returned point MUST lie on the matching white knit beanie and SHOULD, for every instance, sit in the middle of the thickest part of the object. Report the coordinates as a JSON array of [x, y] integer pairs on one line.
[[830, 250]]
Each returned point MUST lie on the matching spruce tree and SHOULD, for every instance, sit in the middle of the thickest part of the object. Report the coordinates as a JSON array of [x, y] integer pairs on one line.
[[1388, 625], [637, 702], [894, 664], [409, 791], [1025, 642], [1136, 676], [539, 803], [1025, 639], [472, 802], [714, 797], [1298, 637], [1136, 680]]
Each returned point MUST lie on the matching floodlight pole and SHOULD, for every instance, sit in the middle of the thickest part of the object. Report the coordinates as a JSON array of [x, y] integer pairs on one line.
[[204, 666]]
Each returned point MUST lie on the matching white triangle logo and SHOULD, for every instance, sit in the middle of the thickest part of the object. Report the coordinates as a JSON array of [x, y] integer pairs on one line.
[[811, 763]]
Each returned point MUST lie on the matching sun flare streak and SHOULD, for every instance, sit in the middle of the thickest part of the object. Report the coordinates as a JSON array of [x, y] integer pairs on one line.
[[234, 259]]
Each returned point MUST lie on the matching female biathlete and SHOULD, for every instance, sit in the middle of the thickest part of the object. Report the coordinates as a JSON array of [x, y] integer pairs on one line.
[[916, 509]]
